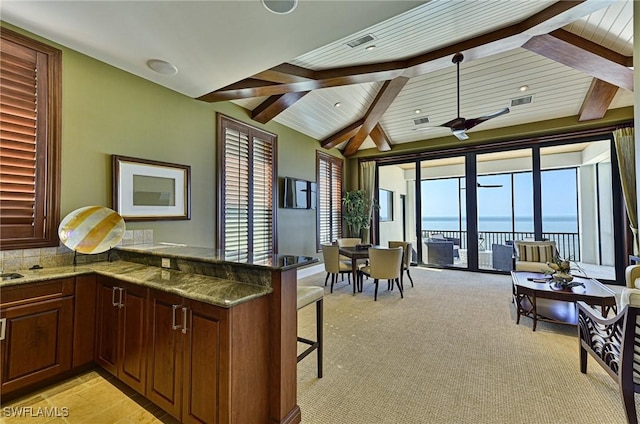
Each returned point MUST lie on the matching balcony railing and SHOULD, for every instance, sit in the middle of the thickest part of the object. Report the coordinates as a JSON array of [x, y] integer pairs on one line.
[[568, 243]]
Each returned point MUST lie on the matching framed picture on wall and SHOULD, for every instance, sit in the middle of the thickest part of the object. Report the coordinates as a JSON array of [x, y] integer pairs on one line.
[[146, 190]]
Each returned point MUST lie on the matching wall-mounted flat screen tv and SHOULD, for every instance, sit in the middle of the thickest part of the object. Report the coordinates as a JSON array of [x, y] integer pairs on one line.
[[299, 194]]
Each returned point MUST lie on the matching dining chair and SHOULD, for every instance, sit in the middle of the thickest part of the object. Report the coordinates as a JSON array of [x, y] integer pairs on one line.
[[333, 265], [347, 242], [406, 259], [384, 264]]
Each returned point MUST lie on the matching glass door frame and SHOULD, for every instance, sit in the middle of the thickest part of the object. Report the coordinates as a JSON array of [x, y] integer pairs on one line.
[[620, 231]]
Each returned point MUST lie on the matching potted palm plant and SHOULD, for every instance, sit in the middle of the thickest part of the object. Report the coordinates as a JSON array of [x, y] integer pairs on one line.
[[356, 212]]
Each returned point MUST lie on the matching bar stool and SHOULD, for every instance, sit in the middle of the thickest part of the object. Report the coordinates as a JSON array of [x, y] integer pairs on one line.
[[306, 296]]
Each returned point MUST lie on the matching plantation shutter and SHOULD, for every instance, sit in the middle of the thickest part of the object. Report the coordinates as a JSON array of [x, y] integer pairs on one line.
[[263, 205], [329, 210], [23, 142], [246, 229]]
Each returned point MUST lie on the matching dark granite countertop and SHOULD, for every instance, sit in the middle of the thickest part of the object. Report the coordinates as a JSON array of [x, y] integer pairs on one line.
[[203, 254], [212, 290]]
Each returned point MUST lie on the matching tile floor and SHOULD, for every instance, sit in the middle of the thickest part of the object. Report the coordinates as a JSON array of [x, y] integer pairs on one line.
[[93, 397]]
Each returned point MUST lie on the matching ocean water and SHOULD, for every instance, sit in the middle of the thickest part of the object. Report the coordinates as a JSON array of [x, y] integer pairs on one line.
[[551, 224]]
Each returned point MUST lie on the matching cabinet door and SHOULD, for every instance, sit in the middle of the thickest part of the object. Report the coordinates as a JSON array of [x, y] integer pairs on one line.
[[37, 343], [107, 325], [132, 364], [206, 334], [164, 366], [84, 318]]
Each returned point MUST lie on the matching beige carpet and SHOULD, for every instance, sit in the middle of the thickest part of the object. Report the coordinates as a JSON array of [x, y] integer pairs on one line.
[[449, 352]]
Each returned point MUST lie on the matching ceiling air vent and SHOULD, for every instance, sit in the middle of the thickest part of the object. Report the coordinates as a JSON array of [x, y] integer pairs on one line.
[[362, 40], [522, 101], [421, 120]]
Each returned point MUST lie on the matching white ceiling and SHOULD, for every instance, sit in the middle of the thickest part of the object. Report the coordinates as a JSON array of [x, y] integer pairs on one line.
[[217, 43]]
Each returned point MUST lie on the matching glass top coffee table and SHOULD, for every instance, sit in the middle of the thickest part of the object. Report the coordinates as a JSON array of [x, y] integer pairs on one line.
[[535, 298]]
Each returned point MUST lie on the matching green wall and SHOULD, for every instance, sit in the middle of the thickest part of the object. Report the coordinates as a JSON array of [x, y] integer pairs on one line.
[[107, 111]]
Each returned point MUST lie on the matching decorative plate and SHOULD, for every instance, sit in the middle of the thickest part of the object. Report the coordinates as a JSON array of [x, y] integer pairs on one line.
[[91, 229]]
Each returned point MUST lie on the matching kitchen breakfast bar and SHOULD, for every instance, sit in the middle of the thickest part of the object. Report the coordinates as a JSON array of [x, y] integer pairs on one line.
[[205, 338]]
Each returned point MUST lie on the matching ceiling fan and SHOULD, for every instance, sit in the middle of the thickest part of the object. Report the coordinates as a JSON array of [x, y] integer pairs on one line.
[[460, 125]]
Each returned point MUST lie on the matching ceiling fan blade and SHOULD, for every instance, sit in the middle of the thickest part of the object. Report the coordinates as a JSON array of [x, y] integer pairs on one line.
[[454, 124], [460, 134], [489, 185], [475, 121]]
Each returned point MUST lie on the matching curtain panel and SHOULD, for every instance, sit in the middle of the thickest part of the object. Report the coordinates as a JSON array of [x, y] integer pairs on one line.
[[625, 152], [367, 179]]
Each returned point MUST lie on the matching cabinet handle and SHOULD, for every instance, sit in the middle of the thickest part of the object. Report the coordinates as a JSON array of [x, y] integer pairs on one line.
[[184, 320], [3, 328], [174, 326], [113, 296], [120, 304]]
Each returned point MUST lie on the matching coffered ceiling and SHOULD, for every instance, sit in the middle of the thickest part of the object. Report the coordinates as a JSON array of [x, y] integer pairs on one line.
[[573, 56]]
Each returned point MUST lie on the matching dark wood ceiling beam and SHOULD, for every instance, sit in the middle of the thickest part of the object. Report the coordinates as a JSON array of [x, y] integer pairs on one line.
[[380, 138], [591, 47], [386, 96], [579, 56], [597, 101], [275, 105], [342, 135], [288, 78], [286, 73]]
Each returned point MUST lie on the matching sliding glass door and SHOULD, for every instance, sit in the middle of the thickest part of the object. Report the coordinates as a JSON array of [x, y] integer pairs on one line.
[[504, 191], [443, 218]]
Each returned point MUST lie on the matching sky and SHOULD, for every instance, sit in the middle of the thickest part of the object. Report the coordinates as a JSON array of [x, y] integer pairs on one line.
[[559, 195]]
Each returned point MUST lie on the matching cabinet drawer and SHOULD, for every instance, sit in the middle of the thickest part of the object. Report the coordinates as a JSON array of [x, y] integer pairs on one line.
[[36, 292]]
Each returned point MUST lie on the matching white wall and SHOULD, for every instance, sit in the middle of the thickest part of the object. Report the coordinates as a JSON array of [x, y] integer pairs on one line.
[[392, 178]]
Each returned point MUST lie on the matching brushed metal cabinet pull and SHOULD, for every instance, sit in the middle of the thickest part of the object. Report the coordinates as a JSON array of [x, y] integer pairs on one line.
[[174, 326], [3, 328], [184, 320], [113, 296], [120, 304]]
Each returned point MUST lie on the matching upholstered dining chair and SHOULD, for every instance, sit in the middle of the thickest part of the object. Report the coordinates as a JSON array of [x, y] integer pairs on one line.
[[406, 259], [348, 242], [384, 264], [532, 255], [333, 265]]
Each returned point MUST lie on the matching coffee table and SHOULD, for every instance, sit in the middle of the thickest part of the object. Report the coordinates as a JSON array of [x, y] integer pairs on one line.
[[540, 302]]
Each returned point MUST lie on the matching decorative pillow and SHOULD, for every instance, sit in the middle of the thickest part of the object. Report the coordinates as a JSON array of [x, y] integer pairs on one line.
[[535, 252], [630, 297]]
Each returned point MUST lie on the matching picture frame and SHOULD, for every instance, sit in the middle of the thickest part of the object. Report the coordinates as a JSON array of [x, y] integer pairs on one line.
[[148, 190]]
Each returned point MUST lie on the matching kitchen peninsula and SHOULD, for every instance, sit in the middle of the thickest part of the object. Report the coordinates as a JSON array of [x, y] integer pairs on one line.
[[205, 338]]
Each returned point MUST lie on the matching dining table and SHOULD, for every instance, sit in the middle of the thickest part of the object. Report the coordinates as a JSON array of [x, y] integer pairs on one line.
[[355, 253]]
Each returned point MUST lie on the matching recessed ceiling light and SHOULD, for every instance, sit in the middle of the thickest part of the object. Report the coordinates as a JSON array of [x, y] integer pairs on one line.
[[162, 67], [417, 111], [371, 47], [524, 88], [280, 7], [337, 104]]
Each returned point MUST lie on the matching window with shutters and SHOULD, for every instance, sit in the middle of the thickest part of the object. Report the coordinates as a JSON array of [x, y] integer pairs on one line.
[[247, 194], [329, 209], [30, 116]]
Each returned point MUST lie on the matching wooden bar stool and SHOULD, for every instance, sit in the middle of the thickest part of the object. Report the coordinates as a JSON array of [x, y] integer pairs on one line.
[[306, 296]]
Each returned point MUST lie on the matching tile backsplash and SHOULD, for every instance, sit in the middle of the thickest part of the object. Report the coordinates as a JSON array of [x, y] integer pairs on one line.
[[47, 257]]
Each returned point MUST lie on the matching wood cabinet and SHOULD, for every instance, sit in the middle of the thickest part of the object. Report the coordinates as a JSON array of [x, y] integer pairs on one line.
[[208, 364], [84, 321], [36, 333], [120, 330], [184, 357]]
